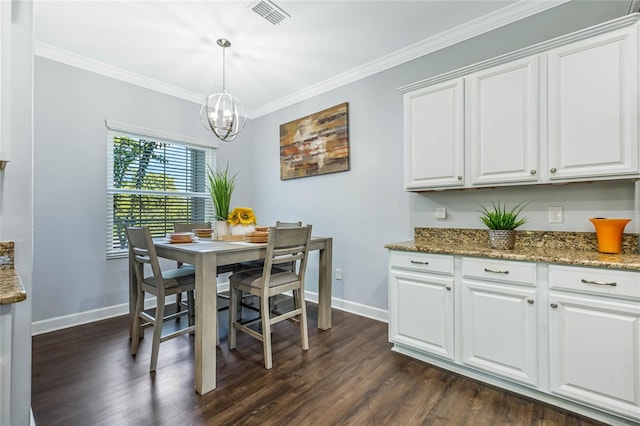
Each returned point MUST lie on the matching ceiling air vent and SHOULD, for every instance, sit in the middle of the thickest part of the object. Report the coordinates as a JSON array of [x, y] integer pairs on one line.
[[269, 11]]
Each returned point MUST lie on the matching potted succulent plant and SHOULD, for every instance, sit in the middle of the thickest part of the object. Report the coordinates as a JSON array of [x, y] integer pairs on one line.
[[221, 186], [502, 223]]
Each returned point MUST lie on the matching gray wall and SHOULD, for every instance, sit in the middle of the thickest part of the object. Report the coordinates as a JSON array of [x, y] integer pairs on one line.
[[71, 106], [16, 213], [366, 207], [362, 209]]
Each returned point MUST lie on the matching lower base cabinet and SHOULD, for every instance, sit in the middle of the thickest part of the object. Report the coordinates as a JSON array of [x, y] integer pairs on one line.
[[594, 338], [421, 307], [499, 331], [568, 336]]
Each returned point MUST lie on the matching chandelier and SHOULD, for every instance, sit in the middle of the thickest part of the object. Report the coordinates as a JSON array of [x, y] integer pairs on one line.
[[222, 113]]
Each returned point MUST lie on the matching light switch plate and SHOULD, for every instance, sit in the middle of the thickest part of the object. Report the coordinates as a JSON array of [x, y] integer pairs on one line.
[[440, 213]]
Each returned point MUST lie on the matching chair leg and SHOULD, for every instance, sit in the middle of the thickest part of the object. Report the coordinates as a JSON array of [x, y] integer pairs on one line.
[[299, 297], [136, 328], [233, 316], [157, 332], [179, 305], [266, 331], [190, 307]]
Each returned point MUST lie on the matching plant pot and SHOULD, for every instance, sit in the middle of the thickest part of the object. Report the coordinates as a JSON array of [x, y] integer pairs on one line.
[[222, 229], [609, 233], [241, 229], [502, 239]]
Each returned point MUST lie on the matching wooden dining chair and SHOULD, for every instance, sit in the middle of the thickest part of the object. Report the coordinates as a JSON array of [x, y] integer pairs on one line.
[[186, 227], [160, 284], [285, 246]]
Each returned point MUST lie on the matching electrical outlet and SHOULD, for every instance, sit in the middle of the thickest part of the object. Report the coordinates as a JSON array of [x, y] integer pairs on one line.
[[556, 215], [338, 274]]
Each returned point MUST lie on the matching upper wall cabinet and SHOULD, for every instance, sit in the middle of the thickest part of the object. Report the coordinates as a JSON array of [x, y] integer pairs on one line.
[[561, 111], [593, 107], [503, 123], [434, 132]]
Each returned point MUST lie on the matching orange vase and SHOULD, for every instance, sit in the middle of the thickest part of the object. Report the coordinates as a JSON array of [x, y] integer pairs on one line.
[[609, 233]]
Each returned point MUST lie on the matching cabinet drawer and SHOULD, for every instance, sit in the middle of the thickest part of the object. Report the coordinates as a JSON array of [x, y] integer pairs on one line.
[[435, 263], [505, 271], [601, 281]]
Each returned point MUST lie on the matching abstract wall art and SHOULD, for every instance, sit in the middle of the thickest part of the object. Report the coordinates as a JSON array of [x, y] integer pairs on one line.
[[316, 144]]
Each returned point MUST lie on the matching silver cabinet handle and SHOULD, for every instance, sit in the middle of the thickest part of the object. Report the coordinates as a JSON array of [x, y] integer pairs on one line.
[[530, 301], [459, 177], [553, 170], [612, 284], [554, 305], [415, 262], [533, 171], [448, 288], [495, 271]]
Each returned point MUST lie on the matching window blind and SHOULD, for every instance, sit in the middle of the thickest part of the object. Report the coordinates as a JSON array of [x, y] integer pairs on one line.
[[154, 183]]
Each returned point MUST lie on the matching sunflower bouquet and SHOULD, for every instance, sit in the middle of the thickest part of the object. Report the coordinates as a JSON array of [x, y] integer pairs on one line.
[[242, 216]]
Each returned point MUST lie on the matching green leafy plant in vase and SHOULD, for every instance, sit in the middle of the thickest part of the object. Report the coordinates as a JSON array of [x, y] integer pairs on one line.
[[221, 186], [502, 224]]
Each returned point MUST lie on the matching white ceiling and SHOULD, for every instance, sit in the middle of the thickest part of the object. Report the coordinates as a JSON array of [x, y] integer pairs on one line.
[[170, 46]]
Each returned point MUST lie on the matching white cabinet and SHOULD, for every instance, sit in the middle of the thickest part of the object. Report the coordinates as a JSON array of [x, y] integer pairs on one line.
[[499, 319], [593, 107], [595, 337], [566, 335], [561, 111], [502, 109], [421, 302], [434, 136]]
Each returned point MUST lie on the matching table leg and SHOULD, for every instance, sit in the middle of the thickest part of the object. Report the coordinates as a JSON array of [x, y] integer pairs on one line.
[[206, 322], [324, 285]]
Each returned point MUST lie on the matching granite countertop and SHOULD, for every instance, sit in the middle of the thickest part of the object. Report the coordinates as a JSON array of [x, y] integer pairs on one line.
[[566, 248], [11, 289]]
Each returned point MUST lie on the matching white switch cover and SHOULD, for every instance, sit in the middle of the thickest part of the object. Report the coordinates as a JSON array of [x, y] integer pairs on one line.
[[556, 215], [440, 213]]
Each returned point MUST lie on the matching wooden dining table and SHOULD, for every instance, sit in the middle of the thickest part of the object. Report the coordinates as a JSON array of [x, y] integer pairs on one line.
[[206, 255]]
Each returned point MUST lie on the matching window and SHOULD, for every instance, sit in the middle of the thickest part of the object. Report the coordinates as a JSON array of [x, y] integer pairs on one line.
[[154, 182]]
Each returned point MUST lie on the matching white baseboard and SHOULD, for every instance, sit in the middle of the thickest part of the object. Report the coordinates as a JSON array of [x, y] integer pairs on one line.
[[352, 307], [72, 320]]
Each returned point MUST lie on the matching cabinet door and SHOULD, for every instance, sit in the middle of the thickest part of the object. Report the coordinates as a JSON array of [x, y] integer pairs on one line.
[[503, 117], [593, 107], [595, 351], [434, 136], [421, 312], [499, 330]]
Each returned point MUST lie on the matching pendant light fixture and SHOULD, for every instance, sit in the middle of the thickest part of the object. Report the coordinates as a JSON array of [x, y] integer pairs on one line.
[[223, 113]]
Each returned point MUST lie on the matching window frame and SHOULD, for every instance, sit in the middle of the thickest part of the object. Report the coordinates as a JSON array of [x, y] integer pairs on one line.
[[116, 129]]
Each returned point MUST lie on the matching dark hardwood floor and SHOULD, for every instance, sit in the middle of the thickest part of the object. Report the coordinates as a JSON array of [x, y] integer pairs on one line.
[[85, 376]]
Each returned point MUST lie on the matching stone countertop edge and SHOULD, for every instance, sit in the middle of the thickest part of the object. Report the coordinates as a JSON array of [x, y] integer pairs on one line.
[[556, 247], [11, 289], [623, 261]]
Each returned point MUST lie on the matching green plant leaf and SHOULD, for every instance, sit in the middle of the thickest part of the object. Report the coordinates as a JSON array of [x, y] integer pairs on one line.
[[221, 186], [498, 217]]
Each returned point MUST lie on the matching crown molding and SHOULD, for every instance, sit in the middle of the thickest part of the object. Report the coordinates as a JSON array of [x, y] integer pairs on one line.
[[500, 18], [75, 60], [605, 27]]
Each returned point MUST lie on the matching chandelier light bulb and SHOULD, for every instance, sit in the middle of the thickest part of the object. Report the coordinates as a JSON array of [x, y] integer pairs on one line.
[[222, 113]]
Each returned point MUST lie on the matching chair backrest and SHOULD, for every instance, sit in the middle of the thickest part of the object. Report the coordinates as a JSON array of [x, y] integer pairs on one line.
[[188, 227], [288, 224], [143, 251], [288, 245]]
